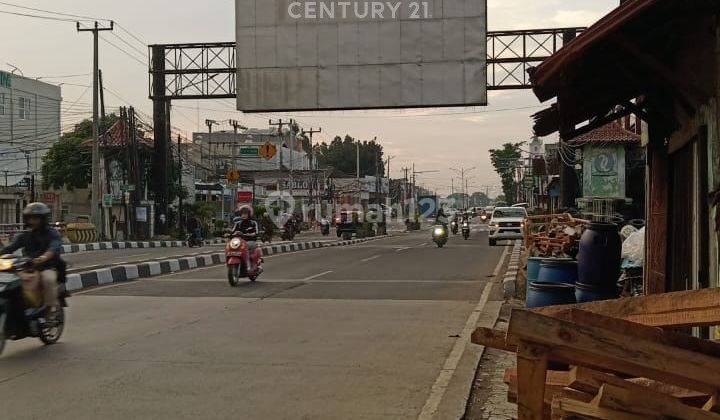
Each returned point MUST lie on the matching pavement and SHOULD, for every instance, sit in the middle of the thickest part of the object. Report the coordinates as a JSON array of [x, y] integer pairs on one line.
[[371, 331]]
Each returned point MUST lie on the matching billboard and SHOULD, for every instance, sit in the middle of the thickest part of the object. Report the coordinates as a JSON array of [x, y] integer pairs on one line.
[[360, 54]]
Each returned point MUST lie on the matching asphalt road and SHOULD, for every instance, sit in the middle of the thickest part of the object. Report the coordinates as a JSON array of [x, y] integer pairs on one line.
[[361, 332], [92, 260]]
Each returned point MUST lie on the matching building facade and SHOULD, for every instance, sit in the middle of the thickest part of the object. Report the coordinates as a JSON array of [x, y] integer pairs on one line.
[[29, 126]]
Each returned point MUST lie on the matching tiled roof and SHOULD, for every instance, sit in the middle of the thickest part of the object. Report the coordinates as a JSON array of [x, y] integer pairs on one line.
[[609, 133]]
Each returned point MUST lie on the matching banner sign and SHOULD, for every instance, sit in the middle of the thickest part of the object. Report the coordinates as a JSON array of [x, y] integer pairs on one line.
[[360, 54]]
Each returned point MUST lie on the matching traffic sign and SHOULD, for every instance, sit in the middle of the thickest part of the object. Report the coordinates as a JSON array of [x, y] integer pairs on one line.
[[268, 151], [127, 188], [107, 200], [233, 175]]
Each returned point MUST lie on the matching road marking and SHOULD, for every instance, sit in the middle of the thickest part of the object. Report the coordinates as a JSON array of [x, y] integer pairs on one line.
[[499, 265], [442, 382], [317, 275], [374, 257], [401, 249]]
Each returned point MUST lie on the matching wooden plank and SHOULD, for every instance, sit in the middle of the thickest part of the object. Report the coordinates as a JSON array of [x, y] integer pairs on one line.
[[648, 403], [492, 338], [532, 370], [713, 404], [677, 309], [566, 407], [599, 348], [633, 329], [590, 381], [553, 377]]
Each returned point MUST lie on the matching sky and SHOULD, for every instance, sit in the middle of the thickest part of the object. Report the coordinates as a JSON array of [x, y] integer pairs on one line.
[[429, 138]]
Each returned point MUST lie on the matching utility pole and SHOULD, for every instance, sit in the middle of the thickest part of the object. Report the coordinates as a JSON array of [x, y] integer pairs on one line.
[[313, 168], [96, 187], [180, 184], [280, 124], [236, 127], [357, 160], [463, 182], [102, 95]]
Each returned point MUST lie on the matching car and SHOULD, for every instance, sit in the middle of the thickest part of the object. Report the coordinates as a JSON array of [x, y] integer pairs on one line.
[[506, 223]]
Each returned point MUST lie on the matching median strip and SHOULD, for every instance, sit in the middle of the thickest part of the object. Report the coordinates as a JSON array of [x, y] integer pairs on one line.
[[102, 246], [129, 272]]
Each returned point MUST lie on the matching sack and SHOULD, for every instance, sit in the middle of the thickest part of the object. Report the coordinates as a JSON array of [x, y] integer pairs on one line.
[[32, 289]]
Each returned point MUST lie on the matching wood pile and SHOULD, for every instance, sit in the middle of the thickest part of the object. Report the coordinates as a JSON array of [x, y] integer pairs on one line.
[[626, 358], [553, 235]]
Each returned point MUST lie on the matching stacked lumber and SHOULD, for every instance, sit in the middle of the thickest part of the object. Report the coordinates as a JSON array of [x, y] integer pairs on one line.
[[623, 363], [553, 235]]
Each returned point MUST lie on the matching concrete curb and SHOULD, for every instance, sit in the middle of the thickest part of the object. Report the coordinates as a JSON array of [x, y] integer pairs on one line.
[[102, 246], [124, 273], [510, 279]]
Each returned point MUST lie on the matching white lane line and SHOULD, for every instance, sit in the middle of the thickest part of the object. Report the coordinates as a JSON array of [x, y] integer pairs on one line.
[[317, 275], [440, 386], [401, 249], [499, 265], [374, 257]]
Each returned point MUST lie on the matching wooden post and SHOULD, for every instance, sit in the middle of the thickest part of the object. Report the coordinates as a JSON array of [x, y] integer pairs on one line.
[[532, 362], [657, 219]]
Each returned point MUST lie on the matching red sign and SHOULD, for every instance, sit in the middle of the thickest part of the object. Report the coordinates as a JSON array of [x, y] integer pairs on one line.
[[49, 198], [245, 197]]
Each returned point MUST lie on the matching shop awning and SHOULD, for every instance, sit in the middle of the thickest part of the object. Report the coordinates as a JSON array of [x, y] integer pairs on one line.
[[621, 57]]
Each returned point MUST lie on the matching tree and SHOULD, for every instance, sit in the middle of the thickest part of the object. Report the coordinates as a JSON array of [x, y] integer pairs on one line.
[[68, 163], [340, 155], [506, 161]]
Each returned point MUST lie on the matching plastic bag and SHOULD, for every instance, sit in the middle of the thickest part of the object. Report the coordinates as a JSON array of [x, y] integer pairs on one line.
[[633, 249]]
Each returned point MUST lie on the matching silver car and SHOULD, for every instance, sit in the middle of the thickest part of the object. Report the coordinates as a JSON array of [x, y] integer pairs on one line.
[[506, 223]]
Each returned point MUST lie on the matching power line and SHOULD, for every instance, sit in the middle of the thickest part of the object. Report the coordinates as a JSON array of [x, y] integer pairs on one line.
[[37, 16], [51, 12]]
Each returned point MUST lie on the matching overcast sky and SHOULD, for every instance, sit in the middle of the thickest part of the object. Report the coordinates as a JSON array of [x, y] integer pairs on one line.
[[50, 48]]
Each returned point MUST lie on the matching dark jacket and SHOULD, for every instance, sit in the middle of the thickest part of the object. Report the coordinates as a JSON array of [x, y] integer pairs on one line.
[[248, 229], [35, 243]]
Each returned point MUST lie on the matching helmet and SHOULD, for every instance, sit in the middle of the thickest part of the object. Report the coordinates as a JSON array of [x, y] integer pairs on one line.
[[245, 208], [37, 210]]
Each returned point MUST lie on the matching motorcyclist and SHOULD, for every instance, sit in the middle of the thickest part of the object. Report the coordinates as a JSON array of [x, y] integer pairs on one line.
[[248, 229], [43, 244], [441, 218]]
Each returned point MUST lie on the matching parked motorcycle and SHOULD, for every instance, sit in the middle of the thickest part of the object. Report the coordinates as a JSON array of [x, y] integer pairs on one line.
[[194, 241], [236, 251], [440, 236], [325, 227], [466, 230], [17, 320], [454, 227]]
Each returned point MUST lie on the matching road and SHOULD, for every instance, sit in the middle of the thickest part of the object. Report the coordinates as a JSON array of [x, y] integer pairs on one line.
[[92, 260], [362, 332]]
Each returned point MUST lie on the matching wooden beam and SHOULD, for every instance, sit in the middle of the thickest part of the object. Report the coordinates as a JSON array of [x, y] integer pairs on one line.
[[656, 210], [566, 407], [649, 404], [674, 310], [495, 339], [633, 329], [607, 350], [532, 361], [713, 404], [590, 381]]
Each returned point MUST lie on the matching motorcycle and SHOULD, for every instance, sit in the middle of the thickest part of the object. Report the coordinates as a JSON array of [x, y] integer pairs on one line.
[[236, 251], [288, 233], [454, 227], [324, 227], [194, 241], [466, 230], [440, 236], [17, 320]]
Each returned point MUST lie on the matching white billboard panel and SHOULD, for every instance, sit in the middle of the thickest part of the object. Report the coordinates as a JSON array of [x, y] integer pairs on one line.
[[360, 54]]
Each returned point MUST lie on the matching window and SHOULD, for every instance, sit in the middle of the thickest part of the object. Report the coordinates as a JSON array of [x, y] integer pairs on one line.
[[24, 108], [2, 104]]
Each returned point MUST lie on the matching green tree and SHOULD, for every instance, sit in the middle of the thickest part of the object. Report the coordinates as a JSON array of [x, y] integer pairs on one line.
[[68, 163], [505, 161], [340, 155]]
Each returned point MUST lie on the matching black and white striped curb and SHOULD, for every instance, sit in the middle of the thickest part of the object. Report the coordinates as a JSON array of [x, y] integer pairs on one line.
[[123, 273], [511, 275], [101, 246]]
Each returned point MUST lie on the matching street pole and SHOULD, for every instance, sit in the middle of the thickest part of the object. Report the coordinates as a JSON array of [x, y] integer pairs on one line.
[[180, 186], [95, 190], [280, 124], [236, 126], [313, 170]]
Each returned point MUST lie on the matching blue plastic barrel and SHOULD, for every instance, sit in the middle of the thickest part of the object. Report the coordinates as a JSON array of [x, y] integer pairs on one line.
[[589, 293], [558, 270], [599, 257], [543, 294], [531, 271]]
